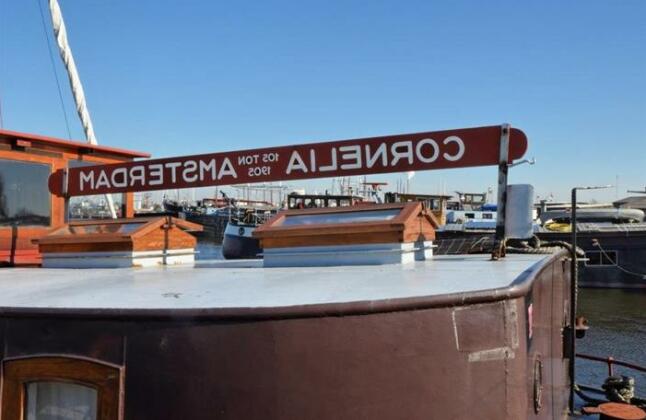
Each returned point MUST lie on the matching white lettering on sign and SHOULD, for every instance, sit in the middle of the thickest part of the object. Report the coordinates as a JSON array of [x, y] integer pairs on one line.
[[401, 149], [434, 146], [247, 160], [296, 162], [156, 171], [226, 169], [103, 180], [173, 170], [86, 178], [204, 167], [190, 167], [315, 161], [457, 140], [332, 166], [137, 174], [118, 178], [312, 160], [354, 157], [381, 151], [156, 174]]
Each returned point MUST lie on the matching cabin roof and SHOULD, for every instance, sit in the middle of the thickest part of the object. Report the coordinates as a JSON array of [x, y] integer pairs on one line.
[[246, 287], [421, 196], [635, 202], [78, 146], [101, 228], [611, 227]]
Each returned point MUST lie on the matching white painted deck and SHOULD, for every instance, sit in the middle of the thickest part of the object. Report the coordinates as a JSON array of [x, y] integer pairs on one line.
[[245, 284]]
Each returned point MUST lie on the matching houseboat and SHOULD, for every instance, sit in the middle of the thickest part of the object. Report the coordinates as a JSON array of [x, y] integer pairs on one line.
[[613, 239], [615, 253], [352, 315], [436, 203]]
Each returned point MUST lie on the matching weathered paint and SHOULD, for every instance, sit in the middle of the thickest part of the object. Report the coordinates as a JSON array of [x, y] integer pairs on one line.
[[371, 360]]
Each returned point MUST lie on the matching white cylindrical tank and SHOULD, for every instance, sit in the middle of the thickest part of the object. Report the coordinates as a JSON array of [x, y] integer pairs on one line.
[[518, 213]]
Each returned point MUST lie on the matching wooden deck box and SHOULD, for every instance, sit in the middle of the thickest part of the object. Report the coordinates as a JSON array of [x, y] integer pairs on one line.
[[358, 235], [120, 243]]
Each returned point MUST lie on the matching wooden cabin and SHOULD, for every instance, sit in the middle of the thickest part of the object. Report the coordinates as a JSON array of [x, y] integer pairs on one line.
[[117, 243], [436, 203], [357, 235], [27, 209]]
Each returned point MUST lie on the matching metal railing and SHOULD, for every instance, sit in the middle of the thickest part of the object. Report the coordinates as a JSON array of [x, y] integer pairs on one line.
[[611, 361]]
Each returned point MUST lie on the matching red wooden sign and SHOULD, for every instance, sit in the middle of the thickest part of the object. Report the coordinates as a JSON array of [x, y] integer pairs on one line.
[[399, 153]]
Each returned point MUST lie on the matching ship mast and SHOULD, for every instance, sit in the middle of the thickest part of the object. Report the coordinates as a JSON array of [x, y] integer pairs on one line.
[[65, 51]]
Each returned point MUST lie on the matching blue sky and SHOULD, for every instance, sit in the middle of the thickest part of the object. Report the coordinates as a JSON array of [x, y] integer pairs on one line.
[[175, 78]]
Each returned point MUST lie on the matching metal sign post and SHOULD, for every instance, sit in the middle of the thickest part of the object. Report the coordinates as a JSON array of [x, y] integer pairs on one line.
[[398, 153], [574, 287], [503, 168]]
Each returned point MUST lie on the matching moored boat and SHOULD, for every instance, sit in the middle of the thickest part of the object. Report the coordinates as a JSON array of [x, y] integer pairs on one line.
[[238, 241], [377, 342], [604, 215], [369, 324]]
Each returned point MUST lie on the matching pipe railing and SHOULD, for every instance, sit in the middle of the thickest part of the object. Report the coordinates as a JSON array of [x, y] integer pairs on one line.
[[611, 361]]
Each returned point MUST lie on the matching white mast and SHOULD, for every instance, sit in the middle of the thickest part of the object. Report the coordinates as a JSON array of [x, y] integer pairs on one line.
[[75, 82]]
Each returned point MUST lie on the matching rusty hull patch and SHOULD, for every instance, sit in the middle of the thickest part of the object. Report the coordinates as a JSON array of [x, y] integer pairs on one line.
[[487, 331]]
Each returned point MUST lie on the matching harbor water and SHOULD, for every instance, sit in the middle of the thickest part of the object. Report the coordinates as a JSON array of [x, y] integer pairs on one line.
[[617, 320]]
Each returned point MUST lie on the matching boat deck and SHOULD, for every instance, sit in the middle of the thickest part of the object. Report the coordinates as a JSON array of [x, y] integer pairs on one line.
[[222, 285]]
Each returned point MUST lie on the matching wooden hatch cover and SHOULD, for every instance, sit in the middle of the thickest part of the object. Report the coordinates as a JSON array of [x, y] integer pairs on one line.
[[120, 242], [398, 232]]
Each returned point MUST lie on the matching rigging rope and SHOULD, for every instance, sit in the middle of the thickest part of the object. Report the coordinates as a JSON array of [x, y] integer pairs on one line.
[[605, 254], [1, 120], [75, 82], [51, 59], [1, 63]]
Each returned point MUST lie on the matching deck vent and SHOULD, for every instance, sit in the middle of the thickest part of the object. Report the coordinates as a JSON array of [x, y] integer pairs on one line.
[[365, 234], [120, 243]]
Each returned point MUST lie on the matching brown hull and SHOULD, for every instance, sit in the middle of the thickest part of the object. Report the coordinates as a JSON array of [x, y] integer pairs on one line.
[[407, 359]]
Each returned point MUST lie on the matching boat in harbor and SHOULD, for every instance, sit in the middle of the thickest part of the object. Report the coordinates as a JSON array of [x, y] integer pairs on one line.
[[287, 343], [613, 239], [614, 242], [436, 203], [350, 314], [238, 241], [591, 215]]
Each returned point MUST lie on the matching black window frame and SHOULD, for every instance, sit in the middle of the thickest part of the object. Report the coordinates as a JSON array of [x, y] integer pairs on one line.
[[78, 163], [49, 218], [601, 258]]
